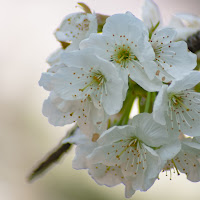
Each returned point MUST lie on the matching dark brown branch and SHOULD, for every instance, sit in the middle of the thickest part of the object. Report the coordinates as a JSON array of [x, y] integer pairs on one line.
[[52, 158]]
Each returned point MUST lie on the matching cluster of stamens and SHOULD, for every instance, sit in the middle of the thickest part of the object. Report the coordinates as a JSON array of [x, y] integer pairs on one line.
[[80, 27], [97, 79], [180, 105], [122, 55], [132, 152], [183, 162], [171, 168]]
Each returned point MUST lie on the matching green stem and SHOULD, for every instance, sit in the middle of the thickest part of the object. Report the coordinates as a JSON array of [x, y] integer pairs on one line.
[[148, 101], [153, 28], [153, 96], [127, 109]]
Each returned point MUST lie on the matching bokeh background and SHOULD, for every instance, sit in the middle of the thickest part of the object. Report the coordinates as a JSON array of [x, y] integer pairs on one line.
[[26, 40]]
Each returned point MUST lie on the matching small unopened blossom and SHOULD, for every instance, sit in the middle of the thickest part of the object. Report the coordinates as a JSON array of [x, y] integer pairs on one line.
[[124, 42], [60, 112], [132, 148], [76, 27], [178, 106], [186, 161], [150, 14], [172, 59]]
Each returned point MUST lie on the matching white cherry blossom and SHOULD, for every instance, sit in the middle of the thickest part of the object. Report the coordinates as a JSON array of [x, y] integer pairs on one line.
[[132, 148], [76, 27], [89, 76], [187, 160], [124, 42], [178, 106], [172, 59], [102, 174]]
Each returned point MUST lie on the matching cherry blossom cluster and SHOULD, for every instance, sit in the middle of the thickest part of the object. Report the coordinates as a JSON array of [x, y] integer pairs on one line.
[[97, 75]]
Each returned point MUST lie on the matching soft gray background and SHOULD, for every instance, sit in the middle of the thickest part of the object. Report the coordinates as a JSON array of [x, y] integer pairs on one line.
[[26, 40]]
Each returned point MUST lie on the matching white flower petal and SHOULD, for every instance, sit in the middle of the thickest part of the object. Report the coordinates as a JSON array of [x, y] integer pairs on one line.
[[45, 81], [152, 172], [161, 106], [113, 101], [99, 44], [164, 36], [182, 61], [150, 68], [188, 81], [139, 76], [150, 132], [68, 82], [187, 161], [106, 175], [55, 116], [129, 191], [76, 27], [169, 151], [120, 23], [172, 58], [82, 150], [54, 58]]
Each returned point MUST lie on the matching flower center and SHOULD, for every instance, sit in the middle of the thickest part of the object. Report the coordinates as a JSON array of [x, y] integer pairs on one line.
[[97, 79], [179, 109], [177, 100], [122, 55]]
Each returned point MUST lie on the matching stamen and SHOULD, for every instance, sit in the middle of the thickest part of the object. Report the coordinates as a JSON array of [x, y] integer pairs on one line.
[[179, 101], [119, 61], [175, 167], [87, 85], [123, 151], [97, 78]]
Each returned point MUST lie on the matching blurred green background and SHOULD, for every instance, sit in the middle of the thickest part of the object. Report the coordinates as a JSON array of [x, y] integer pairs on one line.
[[26, 136]]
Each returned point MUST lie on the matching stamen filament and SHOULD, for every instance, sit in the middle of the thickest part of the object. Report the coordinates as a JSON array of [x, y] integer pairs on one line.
[[179, 101], [175, 167], [119, 61], [87, 85]]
